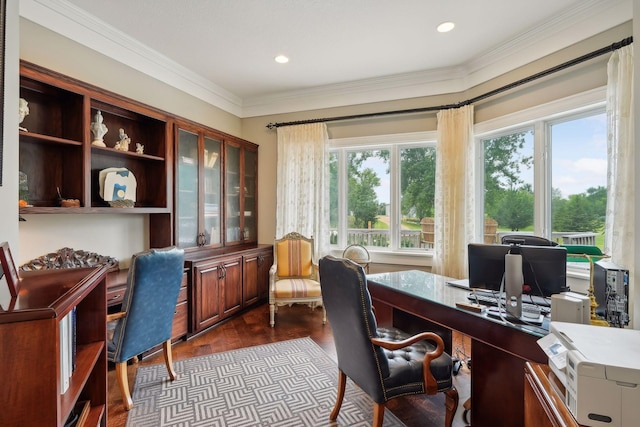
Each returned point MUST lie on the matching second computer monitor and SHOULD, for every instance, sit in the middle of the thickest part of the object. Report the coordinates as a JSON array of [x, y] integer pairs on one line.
[[544, 268]]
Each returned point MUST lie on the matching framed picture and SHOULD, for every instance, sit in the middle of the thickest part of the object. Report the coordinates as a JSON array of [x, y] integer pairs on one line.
[[9, 269]]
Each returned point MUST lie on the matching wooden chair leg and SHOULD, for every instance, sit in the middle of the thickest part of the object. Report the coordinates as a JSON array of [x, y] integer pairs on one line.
[[168, 359], [467, 408], [451, 403], [378, 414], [272, 315], [123, 384], [342, 385]]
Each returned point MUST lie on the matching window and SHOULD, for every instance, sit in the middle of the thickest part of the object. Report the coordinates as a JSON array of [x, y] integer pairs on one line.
[[508, 181], [380, 189], [579, 179], [548, 176]]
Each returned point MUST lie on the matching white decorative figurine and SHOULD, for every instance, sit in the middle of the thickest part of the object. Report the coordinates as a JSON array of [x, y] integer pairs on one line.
[[139, 148], [23, 111], [123, 143], [98, 129]]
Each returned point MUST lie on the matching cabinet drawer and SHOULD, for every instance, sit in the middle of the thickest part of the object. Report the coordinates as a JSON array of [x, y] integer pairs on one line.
[[180, 320]]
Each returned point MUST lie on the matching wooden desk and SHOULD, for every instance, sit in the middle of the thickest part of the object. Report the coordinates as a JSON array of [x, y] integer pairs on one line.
[[499, 350]]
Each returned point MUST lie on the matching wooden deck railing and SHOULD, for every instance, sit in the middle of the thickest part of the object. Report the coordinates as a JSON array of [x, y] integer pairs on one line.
[[411, 238]]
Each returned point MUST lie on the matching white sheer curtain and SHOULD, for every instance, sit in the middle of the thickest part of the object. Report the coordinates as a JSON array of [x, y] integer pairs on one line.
[[619, 234], [455, 194], [619, 222], [302, 195]]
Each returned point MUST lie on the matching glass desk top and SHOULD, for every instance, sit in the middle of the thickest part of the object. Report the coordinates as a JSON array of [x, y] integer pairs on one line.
[[434, 288]]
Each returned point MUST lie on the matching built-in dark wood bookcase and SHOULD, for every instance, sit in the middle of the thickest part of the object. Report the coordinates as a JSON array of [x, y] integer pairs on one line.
[[57, 157]]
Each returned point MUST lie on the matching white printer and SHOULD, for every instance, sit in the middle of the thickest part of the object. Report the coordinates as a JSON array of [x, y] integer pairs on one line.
[[600, 368]]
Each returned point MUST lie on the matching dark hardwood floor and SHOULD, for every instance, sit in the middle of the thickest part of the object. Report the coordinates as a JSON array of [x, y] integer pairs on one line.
[[252, 328]]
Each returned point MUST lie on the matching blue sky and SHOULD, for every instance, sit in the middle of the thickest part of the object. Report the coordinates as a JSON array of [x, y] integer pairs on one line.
[[579, 155]]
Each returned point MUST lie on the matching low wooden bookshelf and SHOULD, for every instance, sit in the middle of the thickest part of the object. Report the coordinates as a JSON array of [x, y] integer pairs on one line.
[[30, 340]]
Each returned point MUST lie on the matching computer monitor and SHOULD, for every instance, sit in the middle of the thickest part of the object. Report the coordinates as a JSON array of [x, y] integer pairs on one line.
[[544, 268]]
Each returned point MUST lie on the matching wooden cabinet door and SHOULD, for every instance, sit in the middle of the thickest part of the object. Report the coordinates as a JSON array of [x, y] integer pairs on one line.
[[256, 275], [232, 287], [207, 293], [250, 285]]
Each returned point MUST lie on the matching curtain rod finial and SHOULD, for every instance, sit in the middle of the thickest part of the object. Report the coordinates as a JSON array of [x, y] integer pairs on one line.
[[271, 126]]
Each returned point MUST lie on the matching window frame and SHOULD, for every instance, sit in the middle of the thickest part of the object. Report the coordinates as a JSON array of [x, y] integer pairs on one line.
[[539, 119], [394, 143]]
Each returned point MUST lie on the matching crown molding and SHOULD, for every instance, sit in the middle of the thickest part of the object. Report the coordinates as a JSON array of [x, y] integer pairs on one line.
[[74, 23], [590, 17]]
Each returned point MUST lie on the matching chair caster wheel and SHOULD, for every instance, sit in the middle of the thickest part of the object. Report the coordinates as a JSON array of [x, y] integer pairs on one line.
[[457, 364]]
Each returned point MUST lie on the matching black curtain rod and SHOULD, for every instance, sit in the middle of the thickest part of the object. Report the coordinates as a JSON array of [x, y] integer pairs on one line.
[[489, 94]]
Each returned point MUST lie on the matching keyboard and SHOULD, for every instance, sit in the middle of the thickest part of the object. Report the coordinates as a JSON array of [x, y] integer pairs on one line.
[[491, 299]]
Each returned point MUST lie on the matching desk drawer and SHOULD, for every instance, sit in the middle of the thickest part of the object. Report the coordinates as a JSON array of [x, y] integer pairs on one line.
[[182, 296], [180, 320], [115, 295]]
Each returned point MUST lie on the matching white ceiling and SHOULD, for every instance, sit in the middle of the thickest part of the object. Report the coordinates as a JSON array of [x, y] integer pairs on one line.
[[342, 51]]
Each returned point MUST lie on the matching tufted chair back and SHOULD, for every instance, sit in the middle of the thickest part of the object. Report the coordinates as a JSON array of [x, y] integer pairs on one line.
[[153, 284]]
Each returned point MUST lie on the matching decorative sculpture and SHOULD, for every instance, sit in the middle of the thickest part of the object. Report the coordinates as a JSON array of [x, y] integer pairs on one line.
[[23, 111], [70, 258], [98, 129], [123, 143], [139, 148]]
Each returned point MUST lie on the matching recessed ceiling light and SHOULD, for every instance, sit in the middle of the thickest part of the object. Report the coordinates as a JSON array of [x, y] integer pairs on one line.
[[445, 27], [281, 59]]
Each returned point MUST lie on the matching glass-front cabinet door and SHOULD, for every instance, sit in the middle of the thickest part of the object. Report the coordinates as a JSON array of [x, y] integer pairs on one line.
[[240, 193], [233, 223], [250, 209], [187, 203], [198, 184], [212, 188]]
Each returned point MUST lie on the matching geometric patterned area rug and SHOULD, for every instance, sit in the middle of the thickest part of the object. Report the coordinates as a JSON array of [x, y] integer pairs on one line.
[[287, 383]]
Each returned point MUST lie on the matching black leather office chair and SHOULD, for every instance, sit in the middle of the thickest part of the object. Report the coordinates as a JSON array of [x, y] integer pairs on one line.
[[384, 363], [528, 240]]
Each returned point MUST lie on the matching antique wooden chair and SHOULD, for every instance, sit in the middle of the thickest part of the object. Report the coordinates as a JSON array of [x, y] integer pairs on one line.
[[293, 278], [384, 362], [146, 317]]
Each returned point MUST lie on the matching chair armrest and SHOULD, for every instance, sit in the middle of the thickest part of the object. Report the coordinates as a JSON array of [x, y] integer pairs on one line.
[[115, 316], [430, 383]]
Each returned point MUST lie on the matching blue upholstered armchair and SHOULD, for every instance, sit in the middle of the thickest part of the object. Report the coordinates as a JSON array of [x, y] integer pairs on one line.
[[146, 318], [384, 362]]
